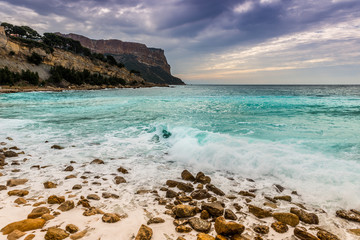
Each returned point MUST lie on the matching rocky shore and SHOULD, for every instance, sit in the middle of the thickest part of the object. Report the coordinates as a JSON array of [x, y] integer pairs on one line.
[[79, 201], [15, 89]]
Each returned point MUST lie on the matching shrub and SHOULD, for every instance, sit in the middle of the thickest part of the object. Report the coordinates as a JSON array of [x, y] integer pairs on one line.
[[35, 58]]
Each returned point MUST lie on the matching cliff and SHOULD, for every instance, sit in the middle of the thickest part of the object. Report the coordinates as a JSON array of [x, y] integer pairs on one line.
[[14, 54], [151, 62]]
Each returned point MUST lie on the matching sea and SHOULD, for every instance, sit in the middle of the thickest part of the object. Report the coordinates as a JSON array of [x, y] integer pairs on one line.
[[305, 138]]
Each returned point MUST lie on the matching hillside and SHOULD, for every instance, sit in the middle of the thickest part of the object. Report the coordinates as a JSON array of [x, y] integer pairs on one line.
[[150, 62]]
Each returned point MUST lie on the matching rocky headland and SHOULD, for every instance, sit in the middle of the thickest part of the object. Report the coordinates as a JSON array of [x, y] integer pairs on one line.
[[97, 199]]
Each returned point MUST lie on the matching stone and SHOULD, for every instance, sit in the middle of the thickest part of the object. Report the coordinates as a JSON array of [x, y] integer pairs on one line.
[[92, 211], [53, 199], [55, 233], [78, 235], [30, 237], [38, 212], [180, 221], [186, 187], [230, 215], [201, 178], [58, 147], [3, 187], [348, 215], [225, 228], [353, 231], [183, 198], [215, 190], [39, 203], [284, 198], [16, 182], [69, 169], [122, 170], [220, 237], [119, 179], [180, 238], [183, 229], [171, 194], [70, 176], [262, 229], [187, 176], [302, 234], [279, 188], [20, 200], [270, 204], [24, 225], [259, 212], [47, 217], [19, 193], [215, 209], [287, 218], [325, 235], [110, 217], [204, 214], [93, 197], [66, 206], [200, 225], [97, 161], [247, 194], [204, 236], [184, 211], [310, 218], [16, 234], [144, 233], [71, 228], [200, 194], [84, 202], [50, 185], [10, 154], [171, 183], [155, 220], [77, 187], [279, 227]]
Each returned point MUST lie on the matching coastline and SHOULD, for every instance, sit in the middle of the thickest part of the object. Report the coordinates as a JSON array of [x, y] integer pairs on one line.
[[16, 89], [114, 186]]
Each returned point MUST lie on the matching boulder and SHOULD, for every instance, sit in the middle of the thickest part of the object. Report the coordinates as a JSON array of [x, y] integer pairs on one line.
[[53, 199], [171, 183], [66, 206], [348, 215], [50, 185], [16, 234], [155, 220], [97, 161], [215, 209], [119, 179], [287, 218], [110, 217], [19, 193], [10, 154], [20, 200], [262, 229], [325, 235], [92, 211], [187, 176], [279, 227], [302, 234], [183, 229], [144, 233], [184, 211], [186, 187], [200, 225], [225, 228], [201, 178], [259, 212], [310, 218], [71, 228], [171, 194], [16, 182], [204, 236], [200, 194], [24, 225], [38, 212], [215, 190], [204, 214], [230, 215], [55, 233]]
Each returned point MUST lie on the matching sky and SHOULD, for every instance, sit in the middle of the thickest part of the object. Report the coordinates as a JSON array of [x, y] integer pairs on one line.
[[218, 41]]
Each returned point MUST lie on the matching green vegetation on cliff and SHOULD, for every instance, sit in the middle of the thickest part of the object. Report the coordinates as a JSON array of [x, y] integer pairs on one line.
[[10, 78]]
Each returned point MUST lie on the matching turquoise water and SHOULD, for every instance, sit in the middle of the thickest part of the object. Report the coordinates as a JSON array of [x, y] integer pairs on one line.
[[305, 137]]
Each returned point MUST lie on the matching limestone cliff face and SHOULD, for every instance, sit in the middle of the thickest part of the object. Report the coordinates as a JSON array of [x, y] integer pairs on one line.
[[150, 56], [18, 61]]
